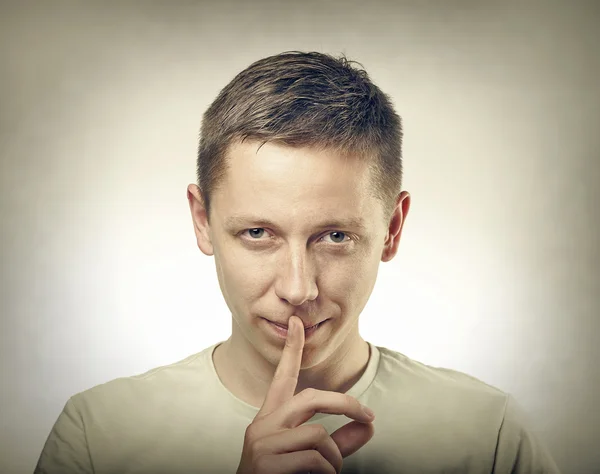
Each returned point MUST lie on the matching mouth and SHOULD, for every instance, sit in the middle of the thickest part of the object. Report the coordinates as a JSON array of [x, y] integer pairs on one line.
[[280, 330], [306, 327]]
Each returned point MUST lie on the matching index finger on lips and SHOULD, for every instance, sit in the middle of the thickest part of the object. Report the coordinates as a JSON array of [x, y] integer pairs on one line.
[[285, 379]]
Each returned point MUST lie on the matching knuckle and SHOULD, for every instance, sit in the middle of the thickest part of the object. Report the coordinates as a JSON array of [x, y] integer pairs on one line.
[[289, 343], [278, 375], [316, 462], [308, 394], [351, 403], [281, 375], [315, 459], [258, 447], [318, 431], [251, 432]]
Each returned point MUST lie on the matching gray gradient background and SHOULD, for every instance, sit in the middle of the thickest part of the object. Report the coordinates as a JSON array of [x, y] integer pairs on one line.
[[497, 272]]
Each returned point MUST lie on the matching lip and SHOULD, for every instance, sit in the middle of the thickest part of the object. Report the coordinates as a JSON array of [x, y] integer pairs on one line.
[[281, 331], [285, 326]]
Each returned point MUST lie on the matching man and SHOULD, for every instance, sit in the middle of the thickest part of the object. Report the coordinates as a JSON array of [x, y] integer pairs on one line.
[[298, 199]]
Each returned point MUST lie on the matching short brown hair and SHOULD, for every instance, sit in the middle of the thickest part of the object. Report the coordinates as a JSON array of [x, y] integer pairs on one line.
[[304, 100]]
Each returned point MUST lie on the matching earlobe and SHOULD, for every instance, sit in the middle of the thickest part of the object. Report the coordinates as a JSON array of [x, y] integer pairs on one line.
[[200, 220]]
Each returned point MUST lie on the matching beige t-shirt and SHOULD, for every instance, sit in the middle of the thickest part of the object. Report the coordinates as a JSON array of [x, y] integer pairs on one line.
[[180, 419]]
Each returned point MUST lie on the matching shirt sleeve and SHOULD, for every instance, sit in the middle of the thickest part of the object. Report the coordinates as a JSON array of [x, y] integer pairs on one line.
[[66, 450], [518, 450]]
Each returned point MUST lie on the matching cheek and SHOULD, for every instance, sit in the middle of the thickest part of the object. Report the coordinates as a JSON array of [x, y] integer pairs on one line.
[[243, 276], [348, 282]]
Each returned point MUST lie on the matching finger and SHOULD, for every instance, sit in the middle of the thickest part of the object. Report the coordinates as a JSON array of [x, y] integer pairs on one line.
[[293, 463], [302, 438], [305, 404], [285, 380], [352, 436]]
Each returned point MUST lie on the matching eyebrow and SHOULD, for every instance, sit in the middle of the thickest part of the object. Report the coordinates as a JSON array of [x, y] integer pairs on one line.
[[255, 222]]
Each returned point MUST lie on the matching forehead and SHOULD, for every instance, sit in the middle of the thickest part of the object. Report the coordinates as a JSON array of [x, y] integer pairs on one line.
[[275, 181], [274, 164]]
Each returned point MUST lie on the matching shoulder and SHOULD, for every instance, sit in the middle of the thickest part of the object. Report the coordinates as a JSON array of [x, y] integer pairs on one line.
[[117, 421], [440, 389], [451, 415], [151, 386], [419, 372], [467, 423]]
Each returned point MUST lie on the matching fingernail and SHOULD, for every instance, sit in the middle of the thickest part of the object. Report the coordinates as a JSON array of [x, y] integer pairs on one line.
[[290, 329], [368, 411]]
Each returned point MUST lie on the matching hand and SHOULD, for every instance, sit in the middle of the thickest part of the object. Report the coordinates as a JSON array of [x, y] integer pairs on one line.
[[276, 442]]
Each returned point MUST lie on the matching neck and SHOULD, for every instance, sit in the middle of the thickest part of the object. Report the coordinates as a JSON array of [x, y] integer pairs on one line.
[[247, 373]]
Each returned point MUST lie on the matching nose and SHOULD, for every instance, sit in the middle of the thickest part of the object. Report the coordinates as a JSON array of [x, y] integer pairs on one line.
[[295, 280]]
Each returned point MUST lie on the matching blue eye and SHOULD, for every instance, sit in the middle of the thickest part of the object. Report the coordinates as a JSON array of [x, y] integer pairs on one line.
[[260, 231], [337, 234]]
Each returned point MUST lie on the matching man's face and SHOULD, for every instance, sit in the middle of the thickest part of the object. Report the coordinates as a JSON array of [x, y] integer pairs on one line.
[[296, 232]]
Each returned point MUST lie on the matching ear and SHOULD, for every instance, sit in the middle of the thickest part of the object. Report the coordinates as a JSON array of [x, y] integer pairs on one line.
[[200, 219], [392, 239]]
